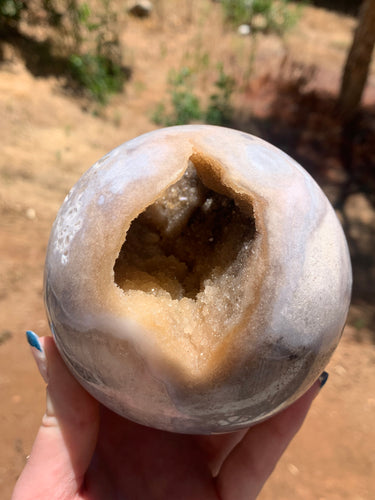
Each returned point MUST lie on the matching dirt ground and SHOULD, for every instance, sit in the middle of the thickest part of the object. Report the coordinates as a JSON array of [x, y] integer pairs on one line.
[[48, 140]]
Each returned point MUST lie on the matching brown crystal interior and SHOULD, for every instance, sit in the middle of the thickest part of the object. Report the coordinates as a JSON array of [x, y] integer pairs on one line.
[[187, 236]]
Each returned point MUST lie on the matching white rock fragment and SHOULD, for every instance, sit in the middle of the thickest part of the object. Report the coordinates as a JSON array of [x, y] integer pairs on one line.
[[30, 213], [244, 30]]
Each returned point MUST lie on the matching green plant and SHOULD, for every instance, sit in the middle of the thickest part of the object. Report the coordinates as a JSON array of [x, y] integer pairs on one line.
[[88, 38], [185, 106], [96, 59], [262, 15], [219, 111], [283, 16], [237, 11], [10, 11], [98, 74]]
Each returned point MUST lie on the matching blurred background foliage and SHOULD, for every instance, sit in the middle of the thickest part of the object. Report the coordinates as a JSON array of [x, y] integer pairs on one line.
[[83, 43], [82, 37]]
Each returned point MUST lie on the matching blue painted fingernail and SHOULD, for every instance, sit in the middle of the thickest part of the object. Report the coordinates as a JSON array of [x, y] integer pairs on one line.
[[323, 378], [33, 340], [38, 354]]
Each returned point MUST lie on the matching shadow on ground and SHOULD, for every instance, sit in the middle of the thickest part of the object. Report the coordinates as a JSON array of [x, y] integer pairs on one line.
[[350, 7], [37, 55]]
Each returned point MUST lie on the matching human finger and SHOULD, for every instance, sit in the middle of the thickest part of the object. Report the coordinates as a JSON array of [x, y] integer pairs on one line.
[[252, 461], [216, 447], [67, 436]]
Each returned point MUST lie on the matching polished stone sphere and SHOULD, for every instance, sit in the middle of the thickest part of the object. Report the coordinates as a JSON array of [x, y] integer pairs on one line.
[[197, 280]]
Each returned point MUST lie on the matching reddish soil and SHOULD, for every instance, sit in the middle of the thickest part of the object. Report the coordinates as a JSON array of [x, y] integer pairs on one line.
[[48, 140]]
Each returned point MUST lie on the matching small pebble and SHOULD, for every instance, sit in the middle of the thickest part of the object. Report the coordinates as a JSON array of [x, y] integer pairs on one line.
[[293, 469], [244, 30], [30, 213], [339, 370]]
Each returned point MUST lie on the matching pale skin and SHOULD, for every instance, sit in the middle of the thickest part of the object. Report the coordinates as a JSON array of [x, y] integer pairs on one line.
[[83, 451]]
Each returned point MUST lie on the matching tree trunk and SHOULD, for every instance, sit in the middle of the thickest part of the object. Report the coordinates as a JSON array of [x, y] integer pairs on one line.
[[358, 62]]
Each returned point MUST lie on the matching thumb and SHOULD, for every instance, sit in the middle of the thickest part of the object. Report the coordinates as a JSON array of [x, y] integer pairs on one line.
[[67, 436]]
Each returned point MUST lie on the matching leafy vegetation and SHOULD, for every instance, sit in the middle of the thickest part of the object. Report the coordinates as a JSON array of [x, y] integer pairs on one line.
[[91, 38], [98, 74], [275, 16], [87, 37], [10, 10], [96, 63], [185, 106], [220, 111], [184, 103]]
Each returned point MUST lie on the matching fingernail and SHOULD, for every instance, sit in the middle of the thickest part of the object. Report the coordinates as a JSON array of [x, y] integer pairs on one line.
[[38, 353], [323, 378]]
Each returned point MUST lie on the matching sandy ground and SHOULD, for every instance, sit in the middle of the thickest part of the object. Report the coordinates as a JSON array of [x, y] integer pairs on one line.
[[48, 140]]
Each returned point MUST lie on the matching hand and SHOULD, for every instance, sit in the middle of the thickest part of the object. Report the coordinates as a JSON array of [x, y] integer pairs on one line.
[[85, 451]]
